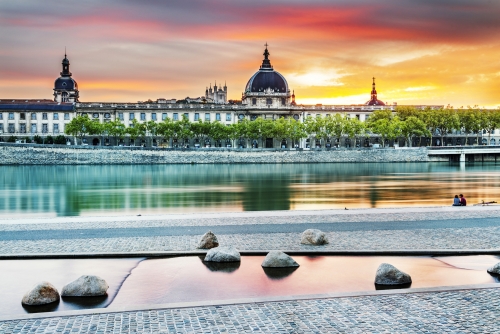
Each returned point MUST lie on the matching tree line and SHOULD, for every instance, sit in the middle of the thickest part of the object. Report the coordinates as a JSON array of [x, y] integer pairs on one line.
[[405, 122]]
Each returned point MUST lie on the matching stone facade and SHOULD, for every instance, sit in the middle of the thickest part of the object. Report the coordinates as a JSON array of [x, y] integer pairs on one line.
[[30, 154]]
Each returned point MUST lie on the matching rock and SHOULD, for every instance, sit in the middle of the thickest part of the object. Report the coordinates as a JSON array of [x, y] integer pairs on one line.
[[223, 254], [278, 259], [495, 269], [387, 274], [41, 294], [85, 286], [313, 237], [208, 241]]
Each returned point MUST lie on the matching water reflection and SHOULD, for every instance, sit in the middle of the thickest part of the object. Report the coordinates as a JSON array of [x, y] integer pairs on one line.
[[278, 273], [157, 189]]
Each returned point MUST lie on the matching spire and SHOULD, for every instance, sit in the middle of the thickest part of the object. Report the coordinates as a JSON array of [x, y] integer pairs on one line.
[[65, 66], [266, 63], [374, 91], [293, 98]]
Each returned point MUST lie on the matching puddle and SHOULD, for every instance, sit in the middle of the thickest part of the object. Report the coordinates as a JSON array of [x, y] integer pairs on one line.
[[189, 279], [19, 276]]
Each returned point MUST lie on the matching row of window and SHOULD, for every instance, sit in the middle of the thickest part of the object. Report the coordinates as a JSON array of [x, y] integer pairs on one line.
[[45, 116], [269, 101], [175, 116], [33, 128]]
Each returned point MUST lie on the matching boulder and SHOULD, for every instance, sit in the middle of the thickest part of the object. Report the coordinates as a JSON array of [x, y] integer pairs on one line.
[[387, 274], [41, 294], [278, 259], [495, 269], [223, 254], [208, 241], [85, 286], [313, 237]]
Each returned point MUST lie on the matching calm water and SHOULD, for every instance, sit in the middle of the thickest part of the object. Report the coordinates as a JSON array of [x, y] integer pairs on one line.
[[157, 189], [188, 279]]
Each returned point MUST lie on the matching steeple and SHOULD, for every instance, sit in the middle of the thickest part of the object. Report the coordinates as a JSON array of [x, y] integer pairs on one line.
[[374, 91], [266, 63], [293, 98], [65, 66]]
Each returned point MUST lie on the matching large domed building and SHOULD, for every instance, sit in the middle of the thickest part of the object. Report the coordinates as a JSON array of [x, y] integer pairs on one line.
[[373, 100], [267, 87], [65, 87]]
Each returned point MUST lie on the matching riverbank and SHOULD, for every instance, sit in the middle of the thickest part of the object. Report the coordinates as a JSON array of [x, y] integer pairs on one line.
[[32, 154]]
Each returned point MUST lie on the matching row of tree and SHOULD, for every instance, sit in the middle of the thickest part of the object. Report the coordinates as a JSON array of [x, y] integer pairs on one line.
[[406, 122]]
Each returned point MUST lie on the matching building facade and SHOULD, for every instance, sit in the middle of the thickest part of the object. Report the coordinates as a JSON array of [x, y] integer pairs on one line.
[[65, 87], [218, 95]]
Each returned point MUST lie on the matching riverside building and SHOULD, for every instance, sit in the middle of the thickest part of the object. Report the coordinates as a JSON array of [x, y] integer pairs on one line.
[[266, 95]]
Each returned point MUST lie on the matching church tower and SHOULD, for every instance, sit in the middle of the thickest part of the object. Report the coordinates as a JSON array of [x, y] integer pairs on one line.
[[373, 98], [65, 87]]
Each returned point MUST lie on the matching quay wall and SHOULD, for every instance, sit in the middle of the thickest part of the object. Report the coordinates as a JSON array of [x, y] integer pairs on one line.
[[31, 154]]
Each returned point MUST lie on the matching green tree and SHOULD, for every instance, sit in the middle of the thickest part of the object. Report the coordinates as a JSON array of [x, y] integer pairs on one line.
[[490, 122], [78, 127], [135, 130], [413, 126], [115, 129], [297, 130], [166, 129], [219, 132], [354, 128], [447, 121]]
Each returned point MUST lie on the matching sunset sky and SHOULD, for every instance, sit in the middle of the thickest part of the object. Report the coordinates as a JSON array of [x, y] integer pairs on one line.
[[421, 52]]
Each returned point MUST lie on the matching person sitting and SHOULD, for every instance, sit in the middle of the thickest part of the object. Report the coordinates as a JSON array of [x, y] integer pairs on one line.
[[463, 201], [456, 201]]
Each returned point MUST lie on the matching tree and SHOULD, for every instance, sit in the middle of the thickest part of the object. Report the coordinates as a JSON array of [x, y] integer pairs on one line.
[[151, 129], [219, 132], [78, 127], [490, 121], [336, 125], [297, 130], [354, 128], [115, 129], [313, 127], [447, 121], [411, 127], [470, 121], [166, 129], [135, 130], [388, 129]]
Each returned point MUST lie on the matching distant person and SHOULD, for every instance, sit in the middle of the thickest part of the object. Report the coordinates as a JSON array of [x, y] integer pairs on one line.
[[456, 201], [463, 201]]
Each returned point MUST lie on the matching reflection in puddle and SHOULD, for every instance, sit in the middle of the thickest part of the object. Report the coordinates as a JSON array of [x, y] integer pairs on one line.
[[392, 287], [224, 267], [278, 273]]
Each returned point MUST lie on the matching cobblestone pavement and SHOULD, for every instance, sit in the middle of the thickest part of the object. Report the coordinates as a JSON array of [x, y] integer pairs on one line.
[[465, 311]]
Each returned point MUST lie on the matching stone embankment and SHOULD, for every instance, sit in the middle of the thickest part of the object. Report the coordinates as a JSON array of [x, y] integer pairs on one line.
[[31, 154]]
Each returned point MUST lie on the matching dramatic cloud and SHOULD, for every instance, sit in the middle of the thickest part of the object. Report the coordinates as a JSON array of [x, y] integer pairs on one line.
[[429, 52]]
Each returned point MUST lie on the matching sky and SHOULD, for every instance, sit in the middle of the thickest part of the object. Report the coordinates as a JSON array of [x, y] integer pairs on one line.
[[420, 51]]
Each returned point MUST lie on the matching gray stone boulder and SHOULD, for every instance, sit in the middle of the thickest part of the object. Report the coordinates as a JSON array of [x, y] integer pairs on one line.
[[313, 237], [41, 294], [495, 269], [208, 241], [387, 274], [223, 254], [278, 259], [85, 286]]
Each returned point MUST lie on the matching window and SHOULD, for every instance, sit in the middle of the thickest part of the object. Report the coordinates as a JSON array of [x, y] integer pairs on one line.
[[11, 115], [44, 116], [253, 117], [254, 101], [1, 115], [56, 116], [1, 128], [120, 116], [11, 128], [22, 128], [228, 117], [131, 116], [107, 115], [66, 116], [196, 117], [207, 117], [56, 128], [296, 117], [95, 115], [269, 101], [45, 128], [153, 116], [217, 117], [241, 116], [283, 101], [33, 116], [33, 128], [143, 116], [22, 116], [186, 115], [176, 116], [164, 116]]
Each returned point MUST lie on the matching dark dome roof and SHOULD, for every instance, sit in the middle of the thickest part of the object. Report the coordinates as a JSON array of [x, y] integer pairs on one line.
[[66, 83], [375, 102], [265, 79]]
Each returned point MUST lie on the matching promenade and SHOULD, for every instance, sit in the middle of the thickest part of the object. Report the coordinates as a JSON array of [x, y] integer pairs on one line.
[[433, 230]]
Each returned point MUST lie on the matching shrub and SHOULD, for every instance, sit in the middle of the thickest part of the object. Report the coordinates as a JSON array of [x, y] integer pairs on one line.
[[37, 139], [27, 140], [49, 140], [12, 139], [60, 140]]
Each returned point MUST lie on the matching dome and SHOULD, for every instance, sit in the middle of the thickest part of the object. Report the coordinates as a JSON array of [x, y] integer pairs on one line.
[[266, 78], [65, 83], [373, 100], [263, 80]]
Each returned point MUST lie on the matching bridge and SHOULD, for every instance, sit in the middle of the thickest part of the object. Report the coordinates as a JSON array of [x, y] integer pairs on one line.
[[461, 151]]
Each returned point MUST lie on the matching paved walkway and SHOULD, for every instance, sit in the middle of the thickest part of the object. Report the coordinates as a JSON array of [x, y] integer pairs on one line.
[[464, 311]]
